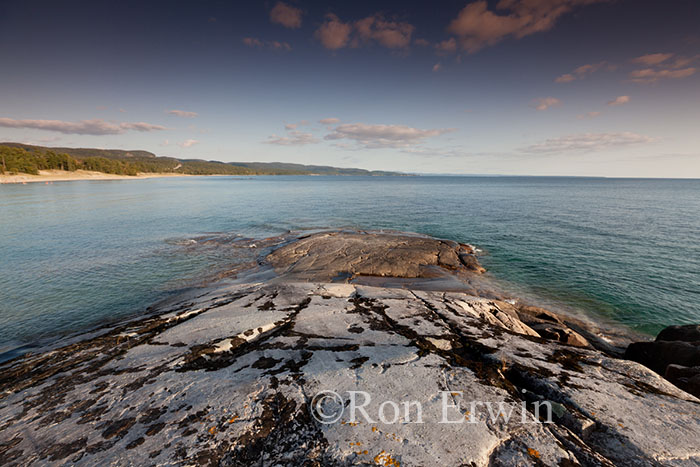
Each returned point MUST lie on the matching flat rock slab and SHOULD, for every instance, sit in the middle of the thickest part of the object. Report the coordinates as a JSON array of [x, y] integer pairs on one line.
[[273, 373], [230, 378]]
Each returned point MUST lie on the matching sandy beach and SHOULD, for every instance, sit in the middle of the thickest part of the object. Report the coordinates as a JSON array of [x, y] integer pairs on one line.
[[65, 176]]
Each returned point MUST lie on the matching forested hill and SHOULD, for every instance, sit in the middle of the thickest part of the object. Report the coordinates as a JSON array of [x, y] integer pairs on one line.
[[24, 158]]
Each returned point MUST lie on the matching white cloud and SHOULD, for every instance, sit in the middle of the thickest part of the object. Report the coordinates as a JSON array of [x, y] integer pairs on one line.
[[272, 45], [588, 142], [188, 143], [476, 26], [329, 121], [295, 138], [543, 103], [286, 15], [383, 136], [183, 113], [83, 127], [620, 100]]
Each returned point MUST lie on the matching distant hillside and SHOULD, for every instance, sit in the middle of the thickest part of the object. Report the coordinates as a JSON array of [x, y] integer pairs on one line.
[[25, 158]]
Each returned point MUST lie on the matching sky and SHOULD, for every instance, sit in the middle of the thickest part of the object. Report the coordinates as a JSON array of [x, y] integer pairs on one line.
[[522, 87]]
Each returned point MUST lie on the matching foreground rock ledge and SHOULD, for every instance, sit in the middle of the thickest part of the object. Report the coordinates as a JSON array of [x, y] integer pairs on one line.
[[227, 375]]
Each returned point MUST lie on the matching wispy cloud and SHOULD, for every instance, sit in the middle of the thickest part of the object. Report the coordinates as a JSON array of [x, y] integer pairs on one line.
[[83, 127], [476, 26], [544, 103], [437, 67], [588, 115], [336, 34], [294, 138], [188, 143], [182, 113], [650, 75], [286, 15], [329, 121], [271, 45], [588, 142], [652, 59], [583, 71], [383, 136], [620, 100]]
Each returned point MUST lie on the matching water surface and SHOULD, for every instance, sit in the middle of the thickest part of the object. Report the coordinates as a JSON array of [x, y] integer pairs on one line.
[[75, 255]]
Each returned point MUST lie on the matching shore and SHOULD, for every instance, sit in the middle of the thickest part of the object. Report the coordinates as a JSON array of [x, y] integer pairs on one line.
[[231, 373], [66, 176]]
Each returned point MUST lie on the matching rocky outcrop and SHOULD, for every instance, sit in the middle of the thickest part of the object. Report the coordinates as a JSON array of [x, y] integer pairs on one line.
[[674, 354], [231, 375]]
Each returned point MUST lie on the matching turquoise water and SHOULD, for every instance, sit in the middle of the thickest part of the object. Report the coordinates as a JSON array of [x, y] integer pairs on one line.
[[78, 254]]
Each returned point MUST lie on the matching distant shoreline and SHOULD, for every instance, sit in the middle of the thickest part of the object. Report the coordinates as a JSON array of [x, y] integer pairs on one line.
[[66, 176]]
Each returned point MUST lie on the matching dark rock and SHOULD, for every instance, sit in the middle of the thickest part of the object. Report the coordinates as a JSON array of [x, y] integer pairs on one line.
[[686, 378], [659, 354], [685, 333]]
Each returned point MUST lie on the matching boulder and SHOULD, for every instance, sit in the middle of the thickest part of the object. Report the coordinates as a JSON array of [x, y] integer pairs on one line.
[[685, 333]]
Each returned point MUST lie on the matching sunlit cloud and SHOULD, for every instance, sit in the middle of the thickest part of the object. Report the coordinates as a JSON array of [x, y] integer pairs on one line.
[[589, 115], [652, 59], [650, 75], [329, 121], [588, 142], [183, 113], [286, 15], [544, 103], [383, 136], [294, 138], [583, 71], [335, 34], [271, 45], [437, 67], [188, 143], [476, 26], [83, 127], [620, 100]]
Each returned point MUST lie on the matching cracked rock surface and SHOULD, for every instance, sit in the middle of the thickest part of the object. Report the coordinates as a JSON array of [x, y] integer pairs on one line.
[[228, 374]]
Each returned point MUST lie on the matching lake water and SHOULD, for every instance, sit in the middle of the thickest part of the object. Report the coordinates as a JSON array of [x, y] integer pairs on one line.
[[75, 255]]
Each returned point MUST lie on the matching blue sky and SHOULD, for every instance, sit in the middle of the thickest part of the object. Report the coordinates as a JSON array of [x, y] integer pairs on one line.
[[537, 87]]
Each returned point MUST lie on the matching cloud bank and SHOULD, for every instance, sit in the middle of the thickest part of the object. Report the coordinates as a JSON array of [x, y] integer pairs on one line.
[[84, 127], [587, 142], [383, 136]]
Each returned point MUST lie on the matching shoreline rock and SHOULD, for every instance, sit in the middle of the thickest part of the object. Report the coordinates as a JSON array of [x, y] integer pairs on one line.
[[675, 354], [229, 374]]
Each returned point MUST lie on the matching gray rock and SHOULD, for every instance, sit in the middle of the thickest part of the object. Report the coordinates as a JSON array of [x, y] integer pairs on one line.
[[229, 375]]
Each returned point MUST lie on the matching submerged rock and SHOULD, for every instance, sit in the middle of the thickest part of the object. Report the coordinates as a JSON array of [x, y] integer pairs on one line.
[[251, 373]]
